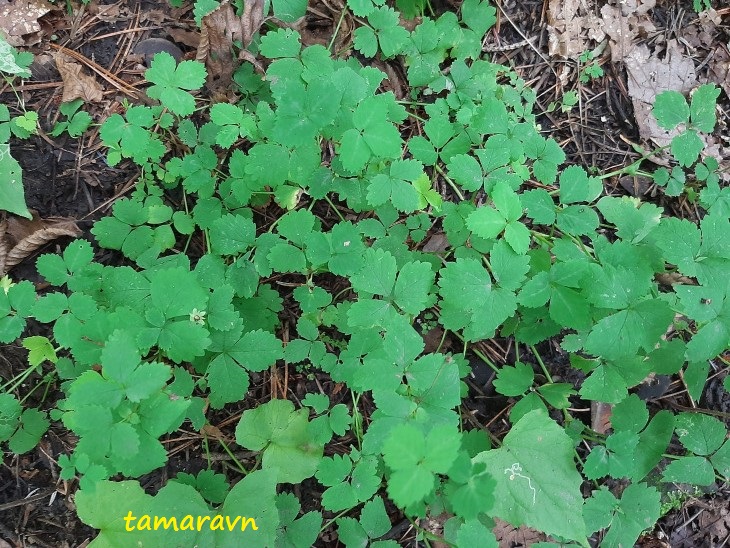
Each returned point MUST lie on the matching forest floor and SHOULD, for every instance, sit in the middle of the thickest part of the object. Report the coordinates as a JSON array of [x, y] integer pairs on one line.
[[68, 183]]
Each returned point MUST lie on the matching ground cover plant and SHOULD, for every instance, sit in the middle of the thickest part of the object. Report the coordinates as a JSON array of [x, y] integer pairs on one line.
[[289, 231]]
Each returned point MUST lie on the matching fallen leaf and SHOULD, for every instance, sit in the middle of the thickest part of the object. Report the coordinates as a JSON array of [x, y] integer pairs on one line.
[[76, 84], [570, 26], [19, 20], [219, 29], [624, 25], [20, 238], [185, 37], [648, 76]]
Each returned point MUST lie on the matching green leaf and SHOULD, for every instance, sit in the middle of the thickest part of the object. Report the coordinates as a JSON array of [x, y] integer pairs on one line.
[[12, 195], [720, 460], [622, 334], [514, 380], [280, 43], [486, 222], [686, 147], [539, 206], [701, 434], [232, 234], [289, 10], [638, 510], [465, 283], [671, 109], [531, 490], [282, 434], [378, 275], [604, 384], [702, 107], [634, 219], [465, 170], [630, 415], [576, 186], [412, 291], [692, 470], [653, 442]]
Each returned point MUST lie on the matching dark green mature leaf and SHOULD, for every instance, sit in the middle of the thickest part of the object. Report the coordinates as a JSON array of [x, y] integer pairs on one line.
[[701, 434]]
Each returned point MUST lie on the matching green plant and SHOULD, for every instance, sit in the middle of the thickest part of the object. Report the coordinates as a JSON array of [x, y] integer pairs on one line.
[[77, 121], [12, 198], [145, 347], [591, 69]]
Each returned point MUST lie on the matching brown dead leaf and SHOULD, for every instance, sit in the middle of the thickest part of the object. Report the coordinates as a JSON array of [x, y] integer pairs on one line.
[[509, 535], [623, 25], [570, 26], [76, 84], [219, 29], [19, 20], [601, 416], [186, 37], [22, 237], [213, 432]]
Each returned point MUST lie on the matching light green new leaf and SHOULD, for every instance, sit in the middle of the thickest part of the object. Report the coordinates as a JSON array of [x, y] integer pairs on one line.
[[281, 432], [532, 490]]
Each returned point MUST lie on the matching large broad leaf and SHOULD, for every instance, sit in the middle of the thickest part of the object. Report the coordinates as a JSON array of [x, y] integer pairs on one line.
[[531, 488], [178, 515]]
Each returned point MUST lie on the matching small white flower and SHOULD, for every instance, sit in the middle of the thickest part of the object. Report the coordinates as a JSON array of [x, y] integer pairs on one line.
[[197, 316]]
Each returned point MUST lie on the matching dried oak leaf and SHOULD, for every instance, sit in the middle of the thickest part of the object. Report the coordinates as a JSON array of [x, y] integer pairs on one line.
[[76, 84]]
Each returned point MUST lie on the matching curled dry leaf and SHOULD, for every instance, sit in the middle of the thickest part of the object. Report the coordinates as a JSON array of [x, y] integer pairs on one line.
[[20, 238], [19, 20], [219, 29], [76, 84]]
